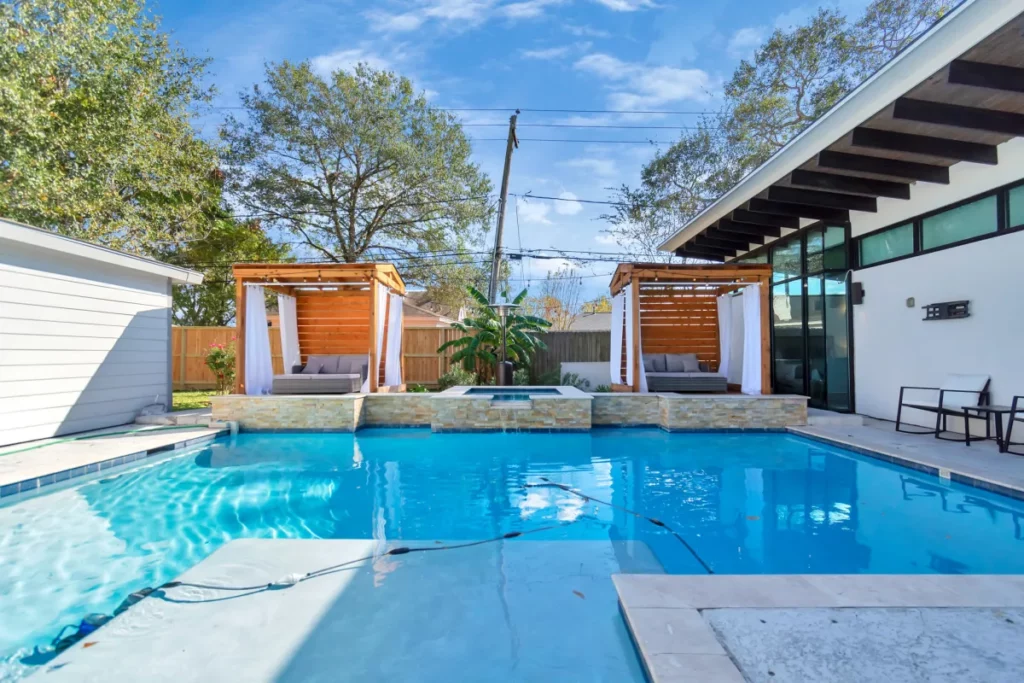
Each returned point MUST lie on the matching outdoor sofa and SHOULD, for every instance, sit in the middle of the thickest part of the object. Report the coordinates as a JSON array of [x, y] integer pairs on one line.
[[324, 375], [1016, 415], [681, 372]]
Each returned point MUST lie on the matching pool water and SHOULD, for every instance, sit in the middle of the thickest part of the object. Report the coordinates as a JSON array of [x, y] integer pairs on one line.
[[746, 503], [510, 394]]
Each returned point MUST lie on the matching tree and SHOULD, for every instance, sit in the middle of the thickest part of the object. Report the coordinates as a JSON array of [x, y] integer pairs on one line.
[[96, 135], [559, 298], [228, 241], [357, 166], [792, 80], [601, 304], [484, 335]]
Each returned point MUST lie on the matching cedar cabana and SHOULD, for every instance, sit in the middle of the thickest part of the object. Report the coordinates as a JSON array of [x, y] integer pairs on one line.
[[339, 309], [676, 309]]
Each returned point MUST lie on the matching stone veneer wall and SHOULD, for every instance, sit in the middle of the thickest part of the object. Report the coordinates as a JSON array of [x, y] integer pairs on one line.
[[337, 413], [670, 411], [626, 409], [732, 412], [398, 409], [465, 414]]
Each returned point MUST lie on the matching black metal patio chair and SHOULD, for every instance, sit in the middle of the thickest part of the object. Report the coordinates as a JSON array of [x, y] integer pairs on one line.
[[956, 393], [1016, 415]]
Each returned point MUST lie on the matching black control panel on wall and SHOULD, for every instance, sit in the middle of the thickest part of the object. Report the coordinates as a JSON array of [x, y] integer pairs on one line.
[[947, 310]]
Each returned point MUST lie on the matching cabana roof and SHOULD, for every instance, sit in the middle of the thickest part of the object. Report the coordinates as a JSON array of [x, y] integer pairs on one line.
[[285, 277], [731, 275]]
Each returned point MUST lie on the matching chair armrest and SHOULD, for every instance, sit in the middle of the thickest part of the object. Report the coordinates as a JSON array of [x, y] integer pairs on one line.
[[928, 388], [296, 369], [704, 366]]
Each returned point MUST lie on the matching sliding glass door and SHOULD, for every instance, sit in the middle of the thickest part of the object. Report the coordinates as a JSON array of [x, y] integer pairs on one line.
[[810, 317]]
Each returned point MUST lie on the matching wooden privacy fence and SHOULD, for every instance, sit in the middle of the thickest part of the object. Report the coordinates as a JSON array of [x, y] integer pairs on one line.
[[423, 364]]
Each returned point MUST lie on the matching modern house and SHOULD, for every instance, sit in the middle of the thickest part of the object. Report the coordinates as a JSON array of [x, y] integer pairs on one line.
[[894, 224], [84, 334]]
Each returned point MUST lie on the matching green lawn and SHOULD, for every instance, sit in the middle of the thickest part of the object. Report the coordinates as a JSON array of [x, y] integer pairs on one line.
[[187, 400]]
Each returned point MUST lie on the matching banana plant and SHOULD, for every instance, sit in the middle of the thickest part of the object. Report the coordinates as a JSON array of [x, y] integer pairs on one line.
[[483, 333]]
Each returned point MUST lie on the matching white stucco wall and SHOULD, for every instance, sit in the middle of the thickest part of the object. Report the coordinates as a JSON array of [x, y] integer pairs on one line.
[[894, 346], [83, 344]]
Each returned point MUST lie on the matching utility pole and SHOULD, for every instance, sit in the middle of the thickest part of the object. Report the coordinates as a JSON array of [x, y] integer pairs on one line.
[[513, 143]]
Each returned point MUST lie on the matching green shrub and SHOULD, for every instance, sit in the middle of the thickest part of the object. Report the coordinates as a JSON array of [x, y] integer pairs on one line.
[[571, 379], [549, 379], [603, 389], [416, 389], [456, 377], [521, 377]]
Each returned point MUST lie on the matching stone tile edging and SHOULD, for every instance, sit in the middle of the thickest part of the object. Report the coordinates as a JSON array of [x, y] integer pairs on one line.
[[35, 483], [910, 463]]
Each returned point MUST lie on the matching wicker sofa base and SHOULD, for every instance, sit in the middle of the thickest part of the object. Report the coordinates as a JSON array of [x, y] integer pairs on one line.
[[316, 384], [687, 382]]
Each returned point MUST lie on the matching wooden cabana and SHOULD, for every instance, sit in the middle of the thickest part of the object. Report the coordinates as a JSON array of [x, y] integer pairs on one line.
[[337, 308], [675, 308]]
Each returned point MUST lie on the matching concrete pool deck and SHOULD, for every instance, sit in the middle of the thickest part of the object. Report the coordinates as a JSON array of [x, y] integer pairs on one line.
[[980, 464], [29, 466], [731, 629]]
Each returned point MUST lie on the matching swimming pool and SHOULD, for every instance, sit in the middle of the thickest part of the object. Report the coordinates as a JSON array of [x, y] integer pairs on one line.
[[746, 503]]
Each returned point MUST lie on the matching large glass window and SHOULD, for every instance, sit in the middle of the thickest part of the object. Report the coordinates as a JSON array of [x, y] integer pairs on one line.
[[837, 343], [888, 244], [834, 253], [758, 258], [1016, 217], [786, 260], [788, 342], [961, 223]]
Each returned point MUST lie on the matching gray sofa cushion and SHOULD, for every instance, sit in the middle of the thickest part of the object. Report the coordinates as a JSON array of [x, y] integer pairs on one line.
[[681, 362], [654, 362], [314, 364]]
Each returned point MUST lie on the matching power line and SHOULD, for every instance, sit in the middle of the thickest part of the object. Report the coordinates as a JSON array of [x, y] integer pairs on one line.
[[567, 199], [592, 142], [581, 125], [546, 111]]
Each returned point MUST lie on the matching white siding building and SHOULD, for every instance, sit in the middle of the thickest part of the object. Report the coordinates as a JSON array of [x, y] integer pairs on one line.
[[84, 334], [911, 191]]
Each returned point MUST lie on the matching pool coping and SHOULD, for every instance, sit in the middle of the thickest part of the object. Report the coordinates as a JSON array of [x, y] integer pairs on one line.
[[33, 484], [903, 460], [663, 612]]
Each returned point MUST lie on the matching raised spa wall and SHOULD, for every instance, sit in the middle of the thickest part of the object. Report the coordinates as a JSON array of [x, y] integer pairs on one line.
[[576, 412]]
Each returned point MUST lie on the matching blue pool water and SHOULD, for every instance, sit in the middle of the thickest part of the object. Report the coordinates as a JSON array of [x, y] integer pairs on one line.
[[747, 503], [510, 394]]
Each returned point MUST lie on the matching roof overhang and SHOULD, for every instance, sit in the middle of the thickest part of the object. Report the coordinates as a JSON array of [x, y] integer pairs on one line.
[[953, 95], [44, 239]]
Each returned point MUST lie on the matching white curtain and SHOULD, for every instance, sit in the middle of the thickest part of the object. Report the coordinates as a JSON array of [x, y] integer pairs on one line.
[[627, 293], [724, 333], [751, 383], [382, 302], [615, 363], [289, 332], [259, 370], [393, 363]]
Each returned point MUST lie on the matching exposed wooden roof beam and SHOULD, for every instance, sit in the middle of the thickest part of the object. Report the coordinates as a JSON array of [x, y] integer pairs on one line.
[[744, 240], [754, 231], [945, 148], [690, 251], [767, 219], [833, 200], [721, 242], [852, 184], [799, 210], [981, 75], [891, 167], [958, 116]]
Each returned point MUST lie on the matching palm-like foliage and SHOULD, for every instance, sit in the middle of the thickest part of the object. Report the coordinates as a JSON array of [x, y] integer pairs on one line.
[[483, 335]]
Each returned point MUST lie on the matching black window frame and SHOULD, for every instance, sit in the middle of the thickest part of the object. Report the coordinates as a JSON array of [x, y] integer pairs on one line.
[[1003, 227]]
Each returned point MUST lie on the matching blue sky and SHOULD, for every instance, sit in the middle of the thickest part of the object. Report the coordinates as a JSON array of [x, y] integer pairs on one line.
[[541, 54]]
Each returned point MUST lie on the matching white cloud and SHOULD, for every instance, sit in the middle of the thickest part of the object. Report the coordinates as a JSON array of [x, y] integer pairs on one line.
[[529, 9], [586, 31], [346, 60], [533, 212], [626, 5], [745, 41], [568, 208], [394, 23], [600, 167], [639, 85], [546, 53]]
